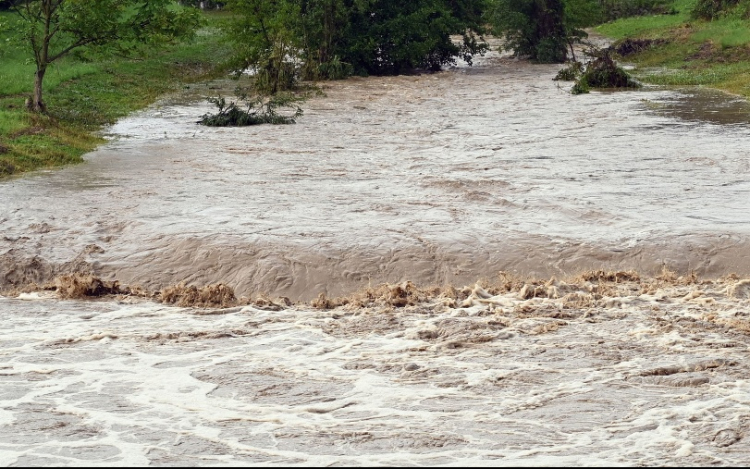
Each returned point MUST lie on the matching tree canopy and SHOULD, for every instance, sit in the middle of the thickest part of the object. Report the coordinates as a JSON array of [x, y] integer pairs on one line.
[[54, 28], [282, 40], [543, 30]]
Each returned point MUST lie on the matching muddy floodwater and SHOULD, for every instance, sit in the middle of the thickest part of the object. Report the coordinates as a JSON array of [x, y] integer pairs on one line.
[[439, 179]]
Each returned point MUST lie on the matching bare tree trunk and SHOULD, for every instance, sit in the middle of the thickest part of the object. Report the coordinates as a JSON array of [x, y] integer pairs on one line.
[[37, 103], [572, 51]]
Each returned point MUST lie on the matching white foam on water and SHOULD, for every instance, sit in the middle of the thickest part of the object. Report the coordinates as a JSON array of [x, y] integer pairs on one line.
[[532, 382]]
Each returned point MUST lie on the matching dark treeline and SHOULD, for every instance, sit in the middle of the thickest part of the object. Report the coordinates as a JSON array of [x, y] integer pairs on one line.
[[283, 41]]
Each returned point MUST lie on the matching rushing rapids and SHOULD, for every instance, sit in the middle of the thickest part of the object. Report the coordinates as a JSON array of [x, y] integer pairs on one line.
[[241, 316]]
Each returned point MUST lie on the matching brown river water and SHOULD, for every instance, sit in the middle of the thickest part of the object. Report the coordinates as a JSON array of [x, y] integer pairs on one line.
[[440, 179]]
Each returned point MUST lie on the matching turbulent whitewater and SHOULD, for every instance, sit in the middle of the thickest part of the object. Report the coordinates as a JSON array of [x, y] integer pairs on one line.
[[427, 183]]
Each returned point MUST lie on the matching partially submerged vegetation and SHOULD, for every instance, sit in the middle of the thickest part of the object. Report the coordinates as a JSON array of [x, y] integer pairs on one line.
[[257, 111], [286, 41], [600, 72]]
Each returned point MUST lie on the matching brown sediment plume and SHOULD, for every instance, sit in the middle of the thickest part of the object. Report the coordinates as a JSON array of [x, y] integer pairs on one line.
[[218, 295], [741, 289], [76, 286], [397, 296], [610, 276], [719, 301]]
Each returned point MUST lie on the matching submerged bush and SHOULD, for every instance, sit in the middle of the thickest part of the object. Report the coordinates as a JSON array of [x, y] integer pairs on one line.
[[258, 111], [580, 87], [603, 72], [569, 73]]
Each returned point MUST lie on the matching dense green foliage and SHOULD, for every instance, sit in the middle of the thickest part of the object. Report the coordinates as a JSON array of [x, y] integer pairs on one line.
[[603, 72], [711, 9], [386, 37], [544, 30], [281, 41]]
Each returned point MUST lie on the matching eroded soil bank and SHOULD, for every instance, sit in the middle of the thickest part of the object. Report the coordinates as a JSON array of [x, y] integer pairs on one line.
[[438, 179]]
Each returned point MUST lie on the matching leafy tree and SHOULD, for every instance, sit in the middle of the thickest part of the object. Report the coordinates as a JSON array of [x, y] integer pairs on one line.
[[386, 37], [283, 40], [265, 42], [321, 26], [55, 28], [543, 29]]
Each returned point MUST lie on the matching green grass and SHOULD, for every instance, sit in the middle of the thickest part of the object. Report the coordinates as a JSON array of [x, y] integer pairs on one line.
[[730, 32], [697, 52], [85, 92], [652, 26]]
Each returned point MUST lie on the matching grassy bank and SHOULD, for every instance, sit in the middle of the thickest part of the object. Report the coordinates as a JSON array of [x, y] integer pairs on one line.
[[688, 51], [84, 93]]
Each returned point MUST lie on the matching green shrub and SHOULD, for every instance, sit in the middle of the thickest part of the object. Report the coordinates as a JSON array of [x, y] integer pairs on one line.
[[580, 87], [259, 111], [335, 69], [603, 72], [569, 73]]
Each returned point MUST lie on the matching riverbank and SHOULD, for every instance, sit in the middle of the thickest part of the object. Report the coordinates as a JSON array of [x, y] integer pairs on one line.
[[85, 93], [678, 50]]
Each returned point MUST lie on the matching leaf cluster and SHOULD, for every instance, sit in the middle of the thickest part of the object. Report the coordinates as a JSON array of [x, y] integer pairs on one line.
[[54, 28], [569, 73]]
